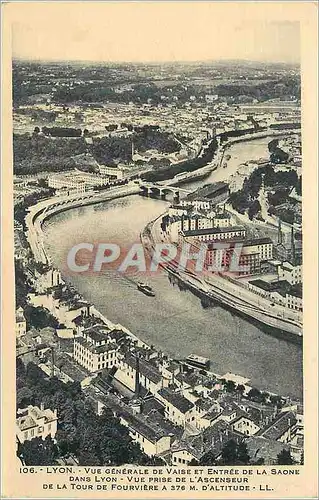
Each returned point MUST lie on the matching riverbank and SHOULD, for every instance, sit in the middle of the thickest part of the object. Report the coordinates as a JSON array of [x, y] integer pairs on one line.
[[180, 324], [95, 312], [45, 209], [228, 292], [175, 321], [217, 156]]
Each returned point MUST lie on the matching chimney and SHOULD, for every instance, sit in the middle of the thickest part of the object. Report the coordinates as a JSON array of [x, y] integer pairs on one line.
[[293, 252], [289, 429], [42, 407], [279, 232], [137, 376]]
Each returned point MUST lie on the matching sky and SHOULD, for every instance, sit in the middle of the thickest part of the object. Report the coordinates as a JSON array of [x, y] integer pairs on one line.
[[155, 31]]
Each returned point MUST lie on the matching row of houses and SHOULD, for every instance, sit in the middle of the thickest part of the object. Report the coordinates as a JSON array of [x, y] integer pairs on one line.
[[173, 411], [281, 292], [176, 413]]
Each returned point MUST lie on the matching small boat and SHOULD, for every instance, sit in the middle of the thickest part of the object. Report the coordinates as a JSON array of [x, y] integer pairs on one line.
[[198, 361], [143, 287]]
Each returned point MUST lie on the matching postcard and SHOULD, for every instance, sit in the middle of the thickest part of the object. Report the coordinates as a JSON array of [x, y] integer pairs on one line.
[[159, 263]]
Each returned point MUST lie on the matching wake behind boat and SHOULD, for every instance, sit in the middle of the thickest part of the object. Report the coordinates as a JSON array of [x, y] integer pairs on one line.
[[143, 287]]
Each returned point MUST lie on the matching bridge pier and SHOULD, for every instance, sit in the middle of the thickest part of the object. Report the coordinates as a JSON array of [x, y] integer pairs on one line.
[[162, 194], [176, 196]]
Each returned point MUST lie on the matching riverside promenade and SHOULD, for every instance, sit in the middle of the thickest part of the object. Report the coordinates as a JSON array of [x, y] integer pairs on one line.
[[228, 291]]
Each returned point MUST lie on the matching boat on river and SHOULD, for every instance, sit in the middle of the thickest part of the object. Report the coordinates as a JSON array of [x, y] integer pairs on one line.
[[147, 290], [198, 361]]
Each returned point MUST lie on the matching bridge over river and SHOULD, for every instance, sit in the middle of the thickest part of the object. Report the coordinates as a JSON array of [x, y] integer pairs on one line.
[[161, 190]]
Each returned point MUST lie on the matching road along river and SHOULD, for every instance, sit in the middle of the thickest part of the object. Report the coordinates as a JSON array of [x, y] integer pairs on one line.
[[174, 321]]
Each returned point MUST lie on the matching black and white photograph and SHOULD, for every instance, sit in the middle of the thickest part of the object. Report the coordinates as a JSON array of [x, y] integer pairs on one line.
[[158, 242]]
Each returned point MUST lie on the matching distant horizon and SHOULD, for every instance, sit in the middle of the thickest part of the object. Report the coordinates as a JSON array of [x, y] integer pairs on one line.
[[158, 62]]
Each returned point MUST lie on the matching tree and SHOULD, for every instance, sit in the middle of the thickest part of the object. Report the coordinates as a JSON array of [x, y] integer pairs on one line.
[[254, 209], [229, 453], [242, 453], [93, 439], [240, 388], [255, 395], [24, 397], [208, 459], [235, 453], [285, 458], [276, 401], [20, 368], [260, 461], [193, 463], [230, 385], [39, 317], [38, 451]]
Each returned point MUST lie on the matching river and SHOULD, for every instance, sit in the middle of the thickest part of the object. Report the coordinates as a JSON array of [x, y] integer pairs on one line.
[[174, 321]]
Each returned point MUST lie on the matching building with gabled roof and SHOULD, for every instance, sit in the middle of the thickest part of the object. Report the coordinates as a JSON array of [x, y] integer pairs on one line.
[[35, 422], [133, 371], [211, 440], [153, 437], [178, 409], [260, 448], [281, 428]]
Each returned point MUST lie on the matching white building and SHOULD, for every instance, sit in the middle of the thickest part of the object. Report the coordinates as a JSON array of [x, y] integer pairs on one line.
[[77, 181], [47, 279], [245, 425], [92, 180], [152, 441], [198, 204], [152, 437], [20, 324], [65, 311], [178, 409], [68, 182], [290, 273], [34, 422], [132, 371], [216, 233], [94, 352], [294, 298], [116, 172]]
